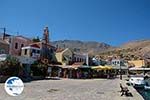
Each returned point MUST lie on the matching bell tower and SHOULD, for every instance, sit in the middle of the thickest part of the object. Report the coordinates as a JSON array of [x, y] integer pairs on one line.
[[45, 48], [46, 35]]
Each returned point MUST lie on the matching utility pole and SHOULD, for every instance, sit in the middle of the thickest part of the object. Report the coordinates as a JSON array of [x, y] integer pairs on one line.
[[4, 33], [120, 73]]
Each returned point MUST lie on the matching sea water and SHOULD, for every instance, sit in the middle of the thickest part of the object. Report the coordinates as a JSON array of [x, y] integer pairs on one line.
[[145, 94]]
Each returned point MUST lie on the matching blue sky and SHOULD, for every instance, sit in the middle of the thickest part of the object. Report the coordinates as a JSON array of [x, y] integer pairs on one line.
[[111, 21]]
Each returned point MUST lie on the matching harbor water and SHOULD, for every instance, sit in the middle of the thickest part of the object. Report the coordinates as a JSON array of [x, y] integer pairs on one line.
[[145, 94]]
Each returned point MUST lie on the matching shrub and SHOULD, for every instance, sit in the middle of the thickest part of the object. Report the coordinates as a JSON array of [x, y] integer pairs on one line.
[[39, 69], [10, 67]]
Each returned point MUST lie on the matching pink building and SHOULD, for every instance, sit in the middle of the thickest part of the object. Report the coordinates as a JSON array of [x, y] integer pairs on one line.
[[16, 43]]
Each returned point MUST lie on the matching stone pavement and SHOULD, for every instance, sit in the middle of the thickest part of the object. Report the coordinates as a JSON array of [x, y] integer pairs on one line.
[[72, 89]]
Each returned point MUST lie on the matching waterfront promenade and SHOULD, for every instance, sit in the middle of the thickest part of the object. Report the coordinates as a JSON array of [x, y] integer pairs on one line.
[[72, 89]]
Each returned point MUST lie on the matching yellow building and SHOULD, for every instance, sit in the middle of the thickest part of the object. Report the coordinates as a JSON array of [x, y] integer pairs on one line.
[[136, 63], [64, 56]]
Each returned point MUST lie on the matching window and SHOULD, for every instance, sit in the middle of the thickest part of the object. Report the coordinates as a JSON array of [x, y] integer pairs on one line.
[[25, 52], [70, 58], [2, 51], [118, 62], [75, 59], [16, 45], [33, 51], [38, 51], [22, 45], [31, 54], [115, 62], [122, 63], [78, 59]]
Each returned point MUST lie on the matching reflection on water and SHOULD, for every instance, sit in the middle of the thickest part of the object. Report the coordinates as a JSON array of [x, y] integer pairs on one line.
[[145, 94]]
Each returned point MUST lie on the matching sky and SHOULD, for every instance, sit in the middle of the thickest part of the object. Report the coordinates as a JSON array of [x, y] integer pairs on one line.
[[111, 21]]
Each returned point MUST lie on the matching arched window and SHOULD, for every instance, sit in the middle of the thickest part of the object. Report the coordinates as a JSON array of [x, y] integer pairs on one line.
[[22, 45], [16, 45]]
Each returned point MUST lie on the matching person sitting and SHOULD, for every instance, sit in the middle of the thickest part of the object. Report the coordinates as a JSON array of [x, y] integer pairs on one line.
[[124, 90]]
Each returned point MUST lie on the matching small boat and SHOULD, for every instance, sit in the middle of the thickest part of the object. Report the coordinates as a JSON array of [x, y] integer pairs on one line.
[[137, 81], [147, 86]]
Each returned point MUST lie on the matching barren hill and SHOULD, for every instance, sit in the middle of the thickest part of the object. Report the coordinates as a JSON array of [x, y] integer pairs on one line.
[[132, 50], [141, 48], [82, 46]]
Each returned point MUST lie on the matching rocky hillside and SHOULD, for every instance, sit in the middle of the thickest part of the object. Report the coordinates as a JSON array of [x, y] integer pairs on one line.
[[132, 50], [141, 48], [82, 46]]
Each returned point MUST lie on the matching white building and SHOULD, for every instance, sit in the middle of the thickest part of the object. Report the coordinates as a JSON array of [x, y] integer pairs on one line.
[[32, 51], [79, 57]]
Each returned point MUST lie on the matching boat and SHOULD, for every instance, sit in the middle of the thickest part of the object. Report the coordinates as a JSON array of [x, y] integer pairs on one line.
[[147, 85], [137, 81]]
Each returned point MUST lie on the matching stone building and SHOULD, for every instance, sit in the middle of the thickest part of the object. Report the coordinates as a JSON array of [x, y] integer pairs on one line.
[[4, 47], [16, 43]]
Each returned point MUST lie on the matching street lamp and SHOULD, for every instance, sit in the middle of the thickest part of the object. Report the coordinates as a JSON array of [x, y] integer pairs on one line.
[[120, 73]]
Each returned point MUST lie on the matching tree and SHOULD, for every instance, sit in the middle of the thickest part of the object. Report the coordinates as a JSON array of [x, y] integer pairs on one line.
[[39, 68], [36, 39], [10, 67]]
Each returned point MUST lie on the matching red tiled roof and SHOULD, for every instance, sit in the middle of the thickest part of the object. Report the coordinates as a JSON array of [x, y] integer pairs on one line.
[[35, 45], [40, 43]]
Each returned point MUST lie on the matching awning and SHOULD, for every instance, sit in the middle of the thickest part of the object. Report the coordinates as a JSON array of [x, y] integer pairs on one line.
[[61, 66], [106, 67], [140, 69], [120, 67]]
